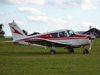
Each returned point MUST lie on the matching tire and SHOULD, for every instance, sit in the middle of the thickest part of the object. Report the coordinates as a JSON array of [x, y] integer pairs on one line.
[[85, 51], [71, 50], [52, 52]]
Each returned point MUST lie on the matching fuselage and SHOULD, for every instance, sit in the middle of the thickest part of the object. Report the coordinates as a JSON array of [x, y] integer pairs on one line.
[[63, 37], [60, 38]]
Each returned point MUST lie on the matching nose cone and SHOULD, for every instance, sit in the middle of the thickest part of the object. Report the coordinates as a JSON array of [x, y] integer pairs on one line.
[[92, 37]]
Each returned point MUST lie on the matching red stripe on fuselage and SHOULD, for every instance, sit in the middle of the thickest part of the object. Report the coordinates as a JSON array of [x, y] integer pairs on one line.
[[42, 37]]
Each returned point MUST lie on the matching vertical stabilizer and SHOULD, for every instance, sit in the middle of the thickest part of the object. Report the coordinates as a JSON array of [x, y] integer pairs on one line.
[[16, 31]]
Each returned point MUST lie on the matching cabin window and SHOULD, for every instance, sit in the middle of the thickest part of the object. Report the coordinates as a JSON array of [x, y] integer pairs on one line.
[[54, 35], [62, 34]]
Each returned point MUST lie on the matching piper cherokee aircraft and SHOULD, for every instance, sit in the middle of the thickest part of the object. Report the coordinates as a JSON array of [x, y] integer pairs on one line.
[[60, 38]]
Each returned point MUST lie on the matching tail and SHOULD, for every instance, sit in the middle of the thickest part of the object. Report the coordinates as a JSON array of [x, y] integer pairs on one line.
[[16, 31]]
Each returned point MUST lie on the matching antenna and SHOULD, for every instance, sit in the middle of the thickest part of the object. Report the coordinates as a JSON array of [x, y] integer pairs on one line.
[[90, 27]]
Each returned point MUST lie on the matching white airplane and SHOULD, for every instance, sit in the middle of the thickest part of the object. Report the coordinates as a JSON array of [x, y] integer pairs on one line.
[[60, 38]]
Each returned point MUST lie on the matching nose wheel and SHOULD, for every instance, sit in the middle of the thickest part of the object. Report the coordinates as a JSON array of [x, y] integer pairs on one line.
[[85, 51]]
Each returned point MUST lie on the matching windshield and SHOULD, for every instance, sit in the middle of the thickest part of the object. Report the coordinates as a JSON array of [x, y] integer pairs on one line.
[[70, 32]]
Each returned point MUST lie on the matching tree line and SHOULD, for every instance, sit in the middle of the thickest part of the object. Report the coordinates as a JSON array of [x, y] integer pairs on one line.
[[2, 33]]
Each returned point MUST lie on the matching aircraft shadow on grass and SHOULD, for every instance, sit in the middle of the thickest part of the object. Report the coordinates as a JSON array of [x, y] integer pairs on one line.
[[32, 53]]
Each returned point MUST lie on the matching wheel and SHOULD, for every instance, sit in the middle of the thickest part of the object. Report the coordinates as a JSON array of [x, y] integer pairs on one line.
[[71, 50], [52, 52], [85, 51]]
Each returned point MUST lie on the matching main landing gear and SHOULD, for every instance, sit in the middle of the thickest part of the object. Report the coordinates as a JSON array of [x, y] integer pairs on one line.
[[70, 50], [85, 51], [53, 50]]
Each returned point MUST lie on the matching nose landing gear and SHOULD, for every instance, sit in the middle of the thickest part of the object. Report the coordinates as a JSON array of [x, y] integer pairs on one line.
[[70, 50], [85, 51]]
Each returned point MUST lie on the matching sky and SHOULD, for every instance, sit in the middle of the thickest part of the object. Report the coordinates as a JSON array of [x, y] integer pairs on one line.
[[49, 15]]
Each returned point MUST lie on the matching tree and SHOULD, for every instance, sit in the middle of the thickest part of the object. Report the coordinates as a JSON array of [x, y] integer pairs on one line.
[[26, 33], [1, 31]]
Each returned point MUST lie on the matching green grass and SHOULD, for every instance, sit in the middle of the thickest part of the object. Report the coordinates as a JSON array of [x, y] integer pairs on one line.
[[29, 60]]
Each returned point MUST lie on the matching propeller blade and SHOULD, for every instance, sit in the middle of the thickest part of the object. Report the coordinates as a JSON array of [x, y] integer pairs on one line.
[[90, 44], [92, 38]]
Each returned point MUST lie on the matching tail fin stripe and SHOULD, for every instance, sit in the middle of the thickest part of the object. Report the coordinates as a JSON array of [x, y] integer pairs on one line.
[[15, 31]]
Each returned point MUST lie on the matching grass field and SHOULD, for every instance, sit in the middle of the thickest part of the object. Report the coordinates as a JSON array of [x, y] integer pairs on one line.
[[29, 60]]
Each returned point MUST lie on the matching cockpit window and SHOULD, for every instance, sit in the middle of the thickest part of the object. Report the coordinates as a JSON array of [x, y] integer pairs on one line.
[[62, 34], [70, 32], [54, 35]]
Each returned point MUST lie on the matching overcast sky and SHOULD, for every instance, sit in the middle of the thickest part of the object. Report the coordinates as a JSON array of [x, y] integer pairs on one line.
[[49, 15]]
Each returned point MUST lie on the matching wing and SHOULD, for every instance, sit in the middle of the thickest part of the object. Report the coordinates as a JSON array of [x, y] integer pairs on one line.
[[9, 42], [47, 42]]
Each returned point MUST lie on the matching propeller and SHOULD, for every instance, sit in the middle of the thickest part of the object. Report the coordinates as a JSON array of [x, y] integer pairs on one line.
[[91, 42], [92, 38]]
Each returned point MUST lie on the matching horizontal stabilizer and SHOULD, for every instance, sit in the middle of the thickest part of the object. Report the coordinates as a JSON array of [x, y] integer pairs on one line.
[[9, 41]]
